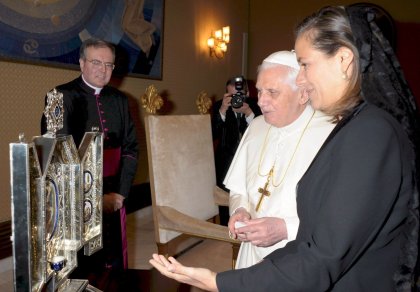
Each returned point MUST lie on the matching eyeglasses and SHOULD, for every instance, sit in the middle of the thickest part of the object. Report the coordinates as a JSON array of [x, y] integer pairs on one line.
[[97, 64]]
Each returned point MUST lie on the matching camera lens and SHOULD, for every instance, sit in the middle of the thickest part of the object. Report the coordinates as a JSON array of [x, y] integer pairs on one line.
[[237, 100]]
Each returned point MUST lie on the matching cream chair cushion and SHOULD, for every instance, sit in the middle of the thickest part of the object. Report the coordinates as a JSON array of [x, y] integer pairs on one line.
[[181, 166]]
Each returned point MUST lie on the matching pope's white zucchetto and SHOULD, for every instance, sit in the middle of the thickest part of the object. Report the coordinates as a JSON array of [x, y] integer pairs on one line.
[[287, 58]]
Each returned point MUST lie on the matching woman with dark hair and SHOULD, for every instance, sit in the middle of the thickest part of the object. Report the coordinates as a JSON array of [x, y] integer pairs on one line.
[[358, 200]]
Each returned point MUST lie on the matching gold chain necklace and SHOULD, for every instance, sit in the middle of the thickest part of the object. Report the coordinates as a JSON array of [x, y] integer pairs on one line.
[[270, 175]]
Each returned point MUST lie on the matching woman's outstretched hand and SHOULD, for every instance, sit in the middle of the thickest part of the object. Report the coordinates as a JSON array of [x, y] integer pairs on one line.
[[171, 268]]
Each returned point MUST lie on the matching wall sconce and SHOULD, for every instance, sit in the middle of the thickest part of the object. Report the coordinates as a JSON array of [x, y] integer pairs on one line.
[[218, 41]]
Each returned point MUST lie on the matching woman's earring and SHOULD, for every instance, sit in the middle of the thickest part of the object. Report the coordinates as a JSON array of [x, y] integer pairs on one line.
[[305, 97], [344, 76]]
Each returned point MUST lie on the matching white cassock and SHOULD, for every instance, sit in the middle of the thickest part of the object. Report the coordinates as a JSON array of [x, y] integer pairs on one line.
[[259, 150]]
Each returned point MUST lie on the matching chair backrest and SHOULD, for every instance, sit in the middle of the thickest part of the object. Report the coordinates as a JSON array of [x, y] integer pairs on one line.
[[181, 167]]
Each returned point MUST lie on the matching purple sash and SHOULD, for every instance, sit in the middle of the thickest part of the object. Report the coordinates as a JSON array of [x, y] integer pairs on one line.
[[111, 161]]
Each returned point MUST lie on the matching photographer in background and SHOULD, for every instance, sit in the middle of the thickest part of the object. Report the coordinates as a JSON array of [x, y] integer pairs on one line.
[[231, 117]]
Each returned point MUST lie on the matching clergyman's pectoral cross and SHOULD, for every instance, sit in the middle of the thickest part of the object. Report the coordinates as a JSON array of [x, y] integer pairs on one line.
[[264, 191]]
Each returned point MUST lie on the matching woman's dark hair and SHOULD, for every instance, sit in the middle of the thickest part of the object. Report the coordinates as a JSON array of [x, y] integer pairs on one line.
[[329, 30]]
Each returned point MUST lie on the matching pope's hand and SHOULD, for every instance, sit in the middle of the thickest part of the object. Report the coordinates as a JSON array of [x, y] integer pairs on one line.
[[264, 231], [240, 215]]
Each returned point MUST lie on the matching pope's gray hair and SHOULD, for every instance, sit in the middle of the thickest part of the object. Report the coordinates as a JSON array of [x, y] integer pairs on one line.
[[291, 73]]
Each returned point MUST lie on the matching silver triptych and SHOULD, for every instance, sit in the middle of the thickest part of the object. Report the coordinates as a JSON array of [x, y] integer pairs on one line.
[[56, 204]]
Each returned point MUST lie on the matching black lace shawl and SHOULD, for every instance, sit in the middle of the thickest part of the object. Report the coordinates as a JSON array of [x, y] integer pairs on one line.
[[384, 85]]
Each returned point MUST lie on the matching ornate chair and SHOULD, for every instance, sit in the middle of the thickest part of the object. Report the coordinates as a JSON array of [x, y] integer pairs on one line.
[[182, 179]]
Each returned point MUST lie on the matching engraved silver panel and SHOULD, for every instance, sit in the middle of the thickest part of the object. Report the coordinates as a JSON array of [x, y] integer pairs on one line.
[[90, 151]]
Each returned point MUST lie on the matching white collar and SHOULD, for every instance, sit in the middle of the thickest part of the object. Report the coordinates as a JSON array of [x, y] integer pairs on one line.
[[97, 89]]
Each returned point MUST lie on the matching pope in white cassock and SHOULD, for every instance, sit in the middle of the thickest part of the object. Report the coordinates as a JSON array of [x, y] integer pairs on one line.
[[274, 153]]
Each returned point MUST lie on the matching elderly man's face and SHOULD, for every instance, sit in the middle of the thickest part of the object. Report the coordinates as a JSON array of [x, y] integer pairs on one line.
[[279, 102], [97, 67]]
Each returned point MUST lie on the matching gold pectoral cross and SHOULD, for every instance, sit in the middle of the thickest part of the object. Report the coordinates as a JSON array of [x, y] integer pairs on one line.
[[264, 191]]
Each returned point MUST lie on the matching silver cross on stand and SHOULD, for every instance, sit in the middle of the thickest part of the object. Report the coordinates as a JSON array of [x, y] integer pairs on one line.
[[54, 112]]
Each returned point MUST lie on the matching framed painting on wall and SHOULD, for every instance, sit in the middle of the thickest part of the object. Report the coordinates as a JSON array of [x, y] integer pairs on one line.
[[50, 32]]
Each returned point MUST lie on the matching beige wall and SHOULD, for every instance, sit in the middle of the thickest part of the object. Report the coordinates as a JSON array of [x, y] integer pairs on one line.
[[187, 67]]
